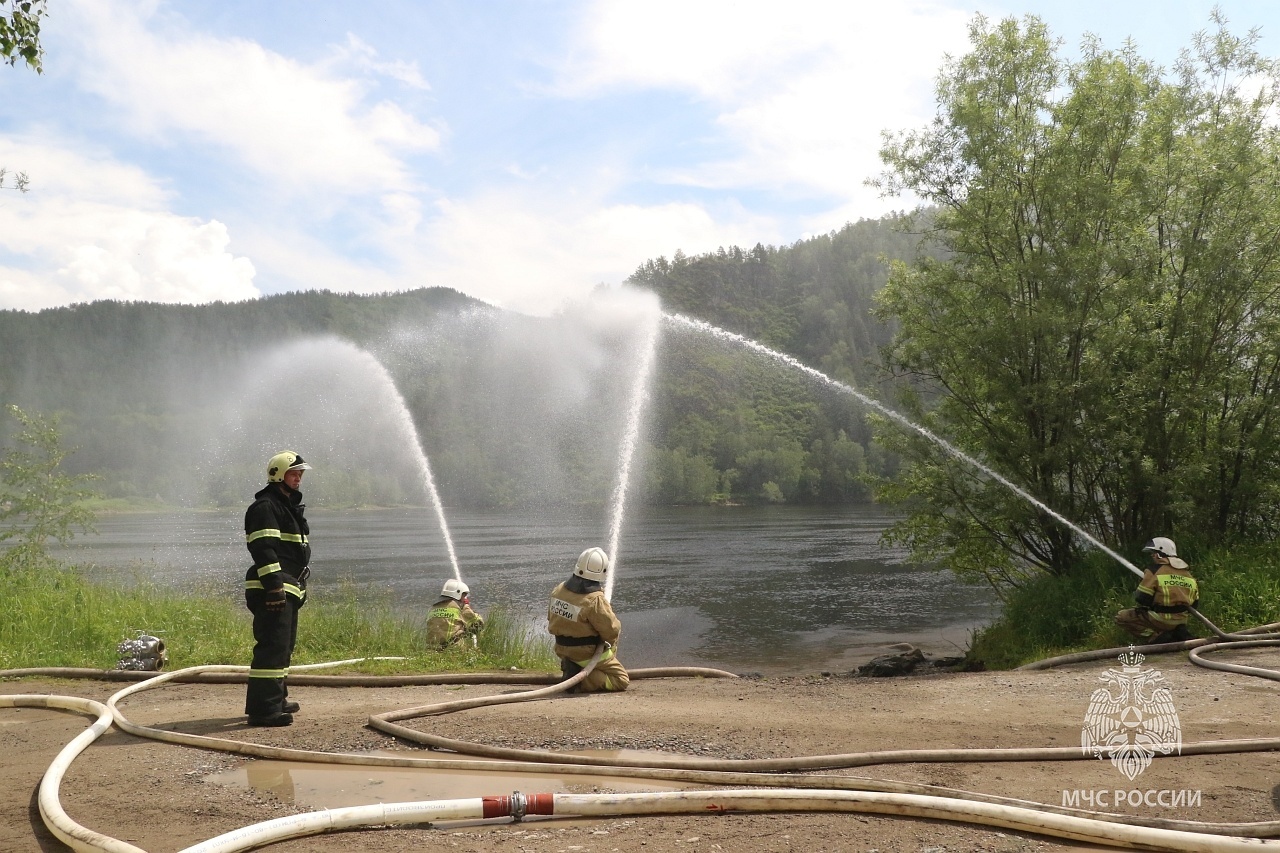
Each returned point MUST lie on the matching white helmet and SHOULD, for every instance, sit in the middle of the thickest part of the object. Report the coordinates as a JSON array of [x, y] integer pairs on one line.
[[593, 564], [457, 590], [1162, 545]]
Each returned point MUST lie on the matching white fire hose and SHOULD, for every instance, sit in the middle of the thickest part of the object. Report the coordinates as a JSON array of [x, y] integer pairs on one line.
[[844, 794]]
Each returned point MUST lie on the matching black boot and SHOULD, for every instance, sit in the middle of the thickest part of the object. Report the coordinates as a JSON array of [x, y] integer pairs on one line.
[[1173, 635], [568, 669]]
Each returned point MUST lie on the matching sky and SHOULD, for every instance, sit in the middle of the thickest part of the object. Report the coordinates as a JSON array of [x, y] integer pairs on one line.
[[520, 151]]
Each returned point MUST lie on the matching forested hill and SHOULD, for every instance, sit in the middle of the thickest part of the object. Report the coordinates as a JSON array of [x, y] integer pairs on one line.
[[735, 428], [146, 392], [184, 403], [811, 300]]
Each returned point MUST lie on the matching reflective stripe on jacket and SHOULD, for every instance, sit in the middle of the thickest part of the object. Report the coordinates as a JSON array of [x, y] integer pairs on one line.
[[1168, 588], [449, 621], [276, 533], [1169, 593]]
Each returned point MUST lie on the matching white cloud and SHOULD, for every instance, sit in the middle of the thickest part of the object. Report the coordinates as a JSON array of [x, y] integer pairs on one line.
[[790, 104], [300, 126], [801, 96], [510, 248], [288, 257], [135, 255], [531, 254], [92, 228], [366, 57], [718, 50]]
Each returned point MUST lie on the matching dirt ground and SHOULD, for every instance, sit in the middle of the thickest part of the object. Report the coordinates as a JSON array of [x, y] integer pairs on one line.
[[162, 797]]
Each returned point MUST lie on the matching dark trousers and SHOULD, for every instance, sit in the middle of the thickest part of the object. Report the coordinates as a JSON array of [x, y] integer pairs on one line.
[[274, 635]]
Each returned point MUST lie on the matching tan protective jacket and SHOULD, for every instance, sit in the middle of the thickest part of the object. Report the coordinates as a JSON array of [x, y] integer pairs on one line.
[[1168, 592], [572, 614], [450, 621]]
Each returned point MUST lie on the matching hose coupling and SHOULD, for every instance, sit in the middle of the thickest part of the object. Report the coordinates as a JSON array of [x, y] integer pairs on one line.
[[143, 653], [519, 806]]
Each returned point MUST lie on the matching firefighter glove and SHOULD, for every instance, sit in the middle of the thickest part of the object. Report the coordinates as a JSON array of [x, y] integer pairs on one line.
[[276, 599]]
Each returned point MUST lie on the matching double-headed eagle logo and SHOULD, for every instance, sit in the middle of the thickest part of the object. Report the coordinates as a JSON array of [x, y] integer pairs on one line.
[[1132, 718]]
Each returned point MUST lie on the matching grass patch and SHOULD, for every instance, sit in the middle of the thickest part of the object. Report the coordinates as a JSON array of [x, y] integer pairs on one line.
[[56, 616], [1239, 588]]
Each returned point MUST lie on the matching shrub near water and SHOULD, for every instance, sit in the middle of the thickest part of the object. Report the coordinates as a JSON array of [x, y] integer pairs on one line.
[[55, 616], [1239, 588]]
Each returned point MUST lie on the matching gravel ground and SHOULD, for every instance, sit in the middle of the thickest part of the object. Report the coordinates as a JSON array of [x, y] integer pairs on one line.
[[163, 797]]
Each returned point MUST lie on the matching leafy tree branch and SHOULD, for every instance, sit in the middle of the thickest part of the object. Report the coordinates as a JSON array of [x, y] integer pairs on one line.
[[20, 32], [38, 501]]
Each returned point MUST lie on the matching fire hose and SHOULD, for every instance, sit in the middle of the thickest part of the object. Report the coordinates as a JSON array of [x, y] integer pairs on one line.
[[791, 791]]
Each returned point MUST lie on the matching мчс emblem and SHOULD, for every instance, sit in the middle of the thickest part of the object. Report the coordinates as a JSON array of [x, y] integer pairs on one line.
[[1132, 718]]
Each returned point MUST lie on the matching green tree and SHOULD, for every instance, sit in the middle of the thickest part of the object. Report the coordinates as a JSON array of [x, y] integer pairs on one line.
[[20, 39], [1102, 330], [20, 32], [39, 501]]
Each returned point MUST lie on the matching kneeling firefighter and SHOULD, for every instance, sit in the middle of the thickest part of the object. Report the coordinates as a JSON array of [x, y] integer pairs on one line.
[[580, 618], [1165, 597], [451, 618]]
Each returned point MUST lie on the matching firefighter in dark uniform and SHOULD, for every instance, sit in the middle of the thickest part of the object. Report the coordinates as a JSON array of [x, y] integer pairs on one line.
[[275, 586], [1165, 596], [581, 618]]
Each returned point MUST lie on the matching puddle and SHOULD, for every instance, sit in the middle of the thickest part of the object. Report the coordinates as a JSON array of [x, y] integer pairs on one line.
[[332, 786]]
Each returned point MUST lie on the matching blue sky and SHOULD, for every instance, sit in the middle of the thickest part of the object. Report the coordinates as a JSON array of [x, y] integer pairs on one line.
[[521, 152]]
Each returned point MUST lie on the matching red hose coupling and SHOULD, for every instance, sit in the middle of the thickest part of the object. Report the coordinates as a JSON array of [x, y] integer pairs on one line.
[[540, 804], [518, 805]]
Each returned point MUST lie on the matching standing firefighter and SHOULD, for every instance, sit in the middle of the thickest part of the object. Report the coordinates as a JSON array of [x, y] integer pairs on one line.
[[1165, 595], [275, 587], [580, 618], [451, 618]]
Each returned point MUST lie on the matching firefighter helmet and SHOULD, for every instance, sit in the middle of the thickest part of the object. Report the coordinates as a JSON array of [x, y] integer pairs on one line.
[[593, 564], [457, 590], [285, 460], [1164, 546]]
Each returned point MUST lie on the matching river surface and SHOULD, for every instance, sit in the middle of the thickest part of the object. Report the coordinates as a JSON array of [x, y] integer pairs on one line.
[[764, 589]]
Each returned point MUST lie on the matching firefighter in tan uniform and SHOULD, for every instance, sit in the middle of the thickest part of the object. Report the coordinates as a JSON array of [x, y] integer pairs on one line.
[[580, 618], [1165, 595], [451, 618]]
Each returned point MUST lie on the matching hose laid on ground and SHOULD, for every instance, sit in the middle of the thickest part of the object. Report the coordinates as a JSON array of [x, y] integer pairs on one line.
[[712, 771], [1030, 817], [720, 802], [189, 676], [1262, 632], [618, 763], [1007, 816], [1265, 632], [66, 830], [1197, 658], [385, 722], [57, 820]]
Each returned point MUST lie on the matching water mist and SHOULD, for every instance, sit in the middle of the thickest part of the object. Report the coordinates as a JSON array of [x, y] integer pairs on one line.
[[954, 452], [334, 403], [630, 440]]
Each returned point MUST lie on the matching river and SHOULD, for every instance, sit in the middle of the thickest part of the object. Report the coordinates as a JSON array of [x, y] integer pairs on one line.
[[742, 588]]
